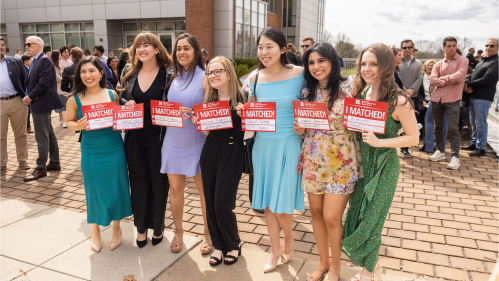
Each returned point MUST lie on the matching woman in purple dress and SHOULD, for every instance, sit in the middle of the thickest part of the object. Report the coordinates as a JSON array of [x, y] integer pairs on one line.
[[182, 146]]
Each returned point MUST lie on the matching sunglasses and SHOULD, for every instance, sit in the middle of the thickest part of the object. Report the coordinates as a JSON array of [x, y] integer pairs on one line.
[[305, 46], [29, 44], [217, 72], [492, 46], [405, 48]]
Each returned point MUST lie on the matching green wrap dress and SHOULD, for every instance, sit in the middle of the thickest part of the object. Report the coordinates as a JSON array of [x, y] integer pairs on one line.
[[371, 200]]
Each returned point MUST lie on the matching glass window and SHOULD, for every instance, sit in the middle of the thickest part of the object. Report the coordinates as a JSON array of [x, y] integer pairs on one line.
[[247, 42], [58, 27], [291, 39], [272, 6], [26, 35], [168, 25], [247, 4], [72, 27], [180, 25], [239, 3], [3, 28], [261, 8], [46, 38], [87, 40], [57, 40], [247, 17], [239, 15], [131, 26], [42, 28], [87, 26], [29, 28], [261, 21], [178, 33], [254, 6], [148, 26], [73, 38], [254, 19], [239, 40], [254, 36]]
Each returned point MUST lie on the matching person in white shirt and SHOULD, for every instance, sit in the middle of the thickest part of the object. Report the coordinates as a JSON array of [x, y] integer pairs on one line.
[[19, 53]]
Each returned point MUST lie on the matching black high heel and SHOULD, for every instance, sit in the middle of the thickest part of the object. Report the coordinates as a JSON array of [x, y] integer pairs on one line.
[[156, 241], [142, 243], [234, 259], [217, 260]]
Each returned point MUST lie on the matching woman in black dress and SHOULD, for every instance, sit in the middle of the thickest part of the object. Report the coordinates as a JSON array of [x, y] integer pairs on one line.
[[144, 81], [222, 163]]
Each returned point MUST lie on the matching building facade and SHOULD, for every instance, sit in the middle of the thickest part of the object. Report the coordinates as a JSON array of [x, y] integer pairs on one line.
[[222, 27]]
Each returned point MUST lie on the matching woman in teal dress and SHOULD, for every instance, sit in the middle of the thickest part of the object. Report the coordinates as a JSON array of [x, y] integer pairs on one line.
[[103, 160], [277, 185], [373, 194]]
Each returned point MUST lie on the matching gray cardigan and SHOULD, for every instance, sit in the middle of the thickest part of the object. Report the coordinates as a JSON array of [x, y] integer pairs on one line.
[[412, 75]]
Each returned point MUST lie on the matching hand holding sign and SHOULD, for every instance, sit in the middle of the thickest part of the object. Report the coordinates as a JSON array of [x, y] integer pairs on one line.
[[311, 115], [98, 116], [128, 117], [365, 114], [259, 117], [370, 138], [213, 116]]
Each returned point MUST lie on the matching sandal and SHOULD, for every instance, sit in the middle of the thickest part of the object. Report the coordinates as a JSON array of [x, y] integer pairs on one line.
[[332, 275], [311, 277], [176, 245], [234, 259], [205, 247], [377, 274], [217, 261]]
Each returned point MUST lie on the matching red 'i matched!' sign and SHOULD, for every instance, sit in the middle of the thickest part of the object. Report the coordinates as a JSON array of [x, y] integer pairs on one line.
[[365, 114], [311, 115], [128, 117], [259, 117], [99, 115], [213, 116], [165, 113]]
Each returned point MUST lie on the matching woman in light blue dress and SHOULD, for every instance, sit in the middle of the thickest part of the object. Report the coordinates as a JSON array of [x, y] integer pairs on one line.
[[182, 146], [277, 185]]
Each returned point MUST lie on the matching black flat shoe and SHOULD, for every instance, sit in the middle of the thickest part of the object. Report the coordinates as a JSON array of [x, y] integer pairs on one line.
[[477, 152], [156, 241], [142, 243], [234, 259], [470, 146], [406, 153]]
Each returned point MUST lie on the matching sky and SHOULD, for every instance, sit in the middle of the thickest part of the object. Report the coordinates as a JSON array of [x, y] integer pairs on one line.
[[391, 21]]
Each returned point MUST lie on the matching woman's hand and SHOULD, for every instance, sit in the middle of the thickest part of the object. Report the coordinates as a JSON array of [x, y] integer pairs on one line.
[[239, 108], [118, 86], [370, 138], [82, 124], [298, 130], [194, 119], [186, 112], [130, 102]]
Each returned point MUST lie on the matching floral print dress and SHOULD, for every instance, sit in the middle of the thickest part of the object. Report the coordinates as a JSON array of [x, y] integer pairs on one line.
[[330, 161]]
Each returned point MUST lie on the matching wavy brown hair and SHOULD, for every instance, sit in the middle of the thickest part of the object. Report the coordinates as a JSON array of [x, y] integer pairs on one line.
[[235, 92], [163, 58], [198, 58], [388, 91]]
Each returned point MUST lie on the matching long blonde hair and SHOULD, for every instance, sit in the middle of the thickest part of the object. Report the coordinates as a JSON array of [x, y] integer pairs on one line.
[[235, 92]]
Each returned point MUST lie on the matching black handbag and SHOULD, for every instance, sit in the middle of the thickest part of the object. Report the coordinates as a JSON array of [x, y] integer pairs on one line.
[[248, 144]]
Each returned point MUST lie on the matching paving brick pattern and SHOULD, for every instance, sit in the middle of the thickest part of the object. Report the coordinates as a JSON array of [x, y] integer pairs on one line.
[[442, 223]]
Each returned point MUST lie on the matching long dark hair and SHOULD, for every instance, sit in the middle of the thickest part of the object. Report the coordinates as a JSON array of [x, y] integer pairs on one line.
[[109, 60], [279, 38], [78, 86], [198, 58], [395, 52], [56, 56], [388, 91], [326, 51]]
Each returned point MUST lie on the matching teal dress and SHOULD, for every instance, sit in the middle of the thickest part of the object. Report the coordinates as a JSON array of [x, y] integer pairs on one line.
[[105, 175], [277, 185]]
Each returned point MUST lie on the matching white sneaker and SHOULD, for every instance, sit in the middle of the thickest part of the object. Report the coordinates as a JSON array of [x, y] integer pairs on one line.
[[454, 163], [420, 126], [60, 123], [64, 125], [437, 156]]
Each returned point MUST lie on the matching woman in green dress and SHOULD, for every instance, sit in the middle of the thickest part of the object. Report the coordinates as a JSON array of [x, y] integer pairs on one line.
[[373, 194], [103, 160]]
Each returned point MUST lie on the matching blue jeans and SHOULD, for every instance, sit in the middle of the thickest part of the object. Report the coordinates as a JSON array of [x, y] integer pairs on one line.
[[479, 110], [429, 139]]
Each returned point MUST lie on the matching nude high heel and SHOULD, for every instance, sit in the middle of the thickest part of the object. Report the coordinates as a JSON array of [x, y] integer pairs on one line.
[[271, 267], [285, 258], [95, 247], [115, 245]]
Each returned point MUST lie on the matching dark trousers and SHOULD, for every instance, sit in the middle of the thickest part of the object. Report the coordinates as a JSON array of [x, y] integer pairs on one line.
[[149, 190], [29, 111], [46, 140], [451, 111], [220, 191]]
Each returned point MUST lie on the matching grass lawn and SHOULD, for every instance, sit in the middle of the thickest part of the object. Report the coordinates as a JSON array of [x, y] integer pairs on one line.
[[347, 72]]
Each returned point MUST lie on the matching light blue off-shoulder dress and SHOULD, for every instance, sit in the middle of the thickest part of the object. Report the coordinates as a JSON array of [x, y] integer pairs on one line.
[[277, 185]]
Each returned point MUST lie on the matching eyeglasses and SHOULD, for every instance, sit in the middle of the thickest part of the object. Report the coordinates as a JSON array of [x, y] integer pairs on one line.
[[405, 48], [217, 72], [28, 44], [305, 46], [492, 46]]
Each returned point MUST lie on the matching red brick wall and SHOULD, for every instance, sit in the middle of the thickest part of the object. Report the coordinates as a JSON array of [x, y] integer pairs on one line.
[[200, 23], [275, 20]]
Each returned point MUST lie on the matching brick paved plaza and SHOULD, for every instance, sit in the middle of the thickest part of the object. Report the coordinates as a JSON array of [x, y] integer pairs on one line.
[[442, 224]]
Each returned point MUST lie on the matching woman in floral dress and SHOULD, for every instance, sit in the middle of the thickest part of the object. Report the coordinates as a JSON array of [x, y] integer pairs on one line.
[[329, 160]]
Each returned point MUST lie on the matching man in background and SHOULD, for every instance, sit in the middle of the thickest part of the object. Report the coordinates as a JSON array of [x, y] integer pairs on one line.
[[306, 43], [470, 56], [99, 52]]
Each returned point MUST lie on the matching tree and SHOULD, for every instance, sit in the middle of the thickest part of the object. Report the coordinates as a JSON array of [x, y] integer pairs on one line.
[[344, 47], [327, 37]]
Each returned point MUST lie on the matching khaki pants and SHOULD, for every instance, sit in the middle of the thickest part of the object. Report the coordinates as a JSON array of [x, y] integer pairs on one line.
[[15, 110]]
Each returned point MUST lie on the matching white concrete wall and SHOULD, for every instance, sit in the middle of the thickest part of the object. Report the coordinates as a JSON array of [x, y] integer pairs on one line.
[[106, 15], [223, 28], [306, 20]]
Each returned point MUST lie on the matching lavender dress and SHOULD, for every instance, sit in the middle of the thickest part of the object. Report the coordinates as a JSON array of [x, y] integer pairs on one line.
[[182, 146]]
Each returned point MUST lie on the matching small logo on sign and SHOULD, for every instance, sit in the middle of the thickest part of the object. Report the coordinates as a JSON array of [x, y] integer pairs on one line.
[[204, 105], [92, 106], [357, 102]]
